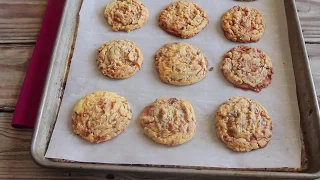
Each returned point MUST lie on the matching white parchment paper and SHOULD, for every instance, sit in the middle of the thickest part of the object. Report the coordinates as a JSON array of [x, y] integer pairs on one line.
[[133, 147]]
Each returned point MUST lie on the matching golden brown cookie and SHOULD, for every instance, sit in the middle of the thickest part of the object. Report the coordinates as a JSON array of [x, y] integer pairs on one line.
[[169, 121], [180, 64], [100, 116], [243, 124], [247, 68], [126, 15], [243, 24], [119, 59], [183, 19]]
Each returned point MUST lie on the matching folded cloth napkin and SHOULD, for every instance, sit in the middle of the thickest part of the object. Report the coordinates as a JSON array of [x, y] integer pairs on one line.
[[30, 95]]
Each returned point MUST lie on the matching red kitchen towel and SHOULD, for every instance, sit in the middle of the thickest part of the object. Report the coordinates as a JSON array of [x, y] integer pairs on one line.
[[30, 95]]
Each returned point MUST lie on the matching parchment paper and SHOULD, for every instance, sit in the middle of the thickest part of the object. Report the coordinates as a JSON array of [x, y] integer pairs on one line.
[[133, 147]]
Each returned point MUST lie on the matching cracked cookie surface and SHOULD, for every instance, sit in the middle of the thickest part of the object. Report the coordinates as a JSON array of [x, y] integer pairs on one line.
[[126, 15], [181, 64], [119, 59], [183, 19], [243, 24], [243, 124], [169, 121], [247, 68], [101, 116]]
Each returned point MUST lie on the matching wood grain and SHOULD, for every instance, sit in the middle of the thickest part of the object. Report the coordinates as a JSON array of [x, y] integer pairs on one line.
[[20, 21], [309, 14], [13, 64], [314, 57]]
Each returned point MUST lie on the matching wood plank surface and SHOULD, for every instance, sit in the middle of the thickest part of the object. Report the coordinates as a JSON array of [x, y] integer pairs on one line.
[[13, 64], [20, 21], [309, 14], [314, 57]]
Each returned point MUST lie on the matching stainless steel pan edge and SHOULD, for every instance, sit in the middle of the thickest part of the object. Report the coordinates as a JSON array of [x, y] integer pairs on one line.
[[54, 89], [49, 105], [306, 93]]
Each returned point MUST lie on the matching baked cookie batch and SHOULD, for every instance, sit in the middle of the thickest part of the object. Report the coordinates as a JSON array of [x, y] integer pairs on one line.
[[241, 123]]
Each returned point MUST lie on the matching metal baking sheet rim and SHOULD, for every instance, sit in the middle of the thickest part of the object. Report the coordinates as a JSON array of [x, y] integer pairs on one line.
[[55, 83]]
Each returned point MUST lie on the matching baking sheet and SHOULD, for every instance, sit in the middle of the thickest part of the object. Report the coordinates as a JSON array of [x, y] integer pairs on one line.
[[133, 147]]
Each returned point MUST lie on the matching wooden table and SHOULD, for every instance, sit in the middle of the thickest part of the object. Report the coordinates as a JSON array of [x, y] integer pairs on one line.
[[20, 21]]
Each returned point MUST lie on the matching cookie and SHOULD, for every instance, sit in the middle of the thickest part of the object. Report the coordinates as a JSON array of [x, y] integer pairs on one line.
[[180, 64], [100, 116], [119, 59], [169, 121], [126, 15], [247, 68], [183, 19], [243, 24], [243, 124]]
